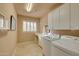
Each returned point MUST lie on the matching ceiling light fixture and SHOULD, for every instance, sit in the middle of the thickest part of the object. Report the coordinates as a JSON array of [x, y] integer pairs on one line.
[[29, 7]]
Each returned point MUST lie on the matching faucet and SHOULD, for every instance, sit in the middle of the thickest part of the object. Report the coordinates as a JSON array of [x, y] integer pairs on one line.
[[59, 36]]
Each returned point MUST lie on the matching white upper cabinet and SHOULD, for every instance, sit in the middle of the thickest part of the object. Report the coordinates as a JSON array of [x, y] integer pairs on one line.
[[75, 16], [60, 18], [65, 17], [50, 20], [56, 19], [53, 19], [64, 21]]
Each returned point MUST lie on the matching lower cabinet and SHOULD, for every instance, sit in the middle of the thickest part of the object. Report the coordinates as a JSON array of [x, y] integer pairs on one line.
[[57, 52], [46, 47], [49, 49]]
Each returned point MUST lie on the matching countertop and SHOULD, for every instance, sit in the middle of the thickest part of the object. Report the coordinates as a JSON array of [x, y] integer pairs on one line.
[[70, 48]]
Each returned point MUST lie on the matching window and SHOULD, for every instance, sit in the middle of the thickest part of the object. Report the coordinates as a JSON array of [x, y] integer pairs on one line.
[[1, 21], [29, 26]]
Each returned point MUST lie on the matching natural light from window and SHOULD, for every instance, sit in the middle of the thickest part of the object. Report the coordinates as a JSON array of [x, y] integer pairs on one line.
[[29, 26], [1, 22]]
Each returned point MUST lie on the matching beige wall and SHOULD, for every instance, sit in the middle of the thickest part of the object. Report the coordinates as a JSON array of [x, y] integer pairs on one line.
[[26, 36], [43, 22], [7, 38]]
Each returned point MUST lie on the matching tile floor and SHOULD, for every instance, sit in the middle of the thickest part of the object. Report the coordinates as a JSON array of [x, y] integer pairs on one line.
[[28, 49]]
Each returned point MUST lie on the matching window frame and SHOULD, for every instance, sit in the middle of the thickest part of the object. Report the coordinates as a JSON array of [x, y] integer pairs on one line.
[[32, 27]]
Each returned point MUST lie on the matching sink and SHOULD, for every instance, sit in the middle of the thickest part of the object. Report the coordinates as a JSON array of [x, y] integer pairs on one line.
[[52, 37]]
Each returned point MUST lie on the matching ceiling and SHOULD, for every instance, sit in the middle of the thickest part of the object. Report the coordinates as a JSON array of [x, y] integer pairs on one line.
[[38, 9]]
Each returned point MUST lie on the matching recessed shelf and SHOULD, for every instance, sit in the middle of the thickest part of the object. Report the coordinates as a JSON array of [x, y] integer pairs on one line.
[[4, 24]]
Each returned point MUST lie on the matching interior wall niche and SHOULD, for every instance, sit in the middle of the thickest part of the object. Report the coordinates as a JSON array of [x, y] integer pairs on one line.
[[3, 26], [12, 23], [2, 21]]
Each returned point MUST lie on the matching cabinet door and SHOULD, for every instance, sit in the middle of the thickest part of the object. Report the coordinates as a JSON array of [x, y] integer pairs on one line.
[[50, 20], [64, 22], [56, 19], [47, 47], [75, 16], [57, 52]]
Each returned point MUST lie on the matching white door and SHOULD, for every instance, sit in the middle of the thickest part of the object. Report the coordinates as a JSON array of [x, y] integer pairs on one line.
[[65, 16], [75, 16]]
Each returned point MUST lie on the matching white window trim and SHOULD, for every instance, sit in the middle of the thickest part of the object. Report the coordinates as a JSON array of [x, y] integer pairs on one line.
[[32, 27]]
